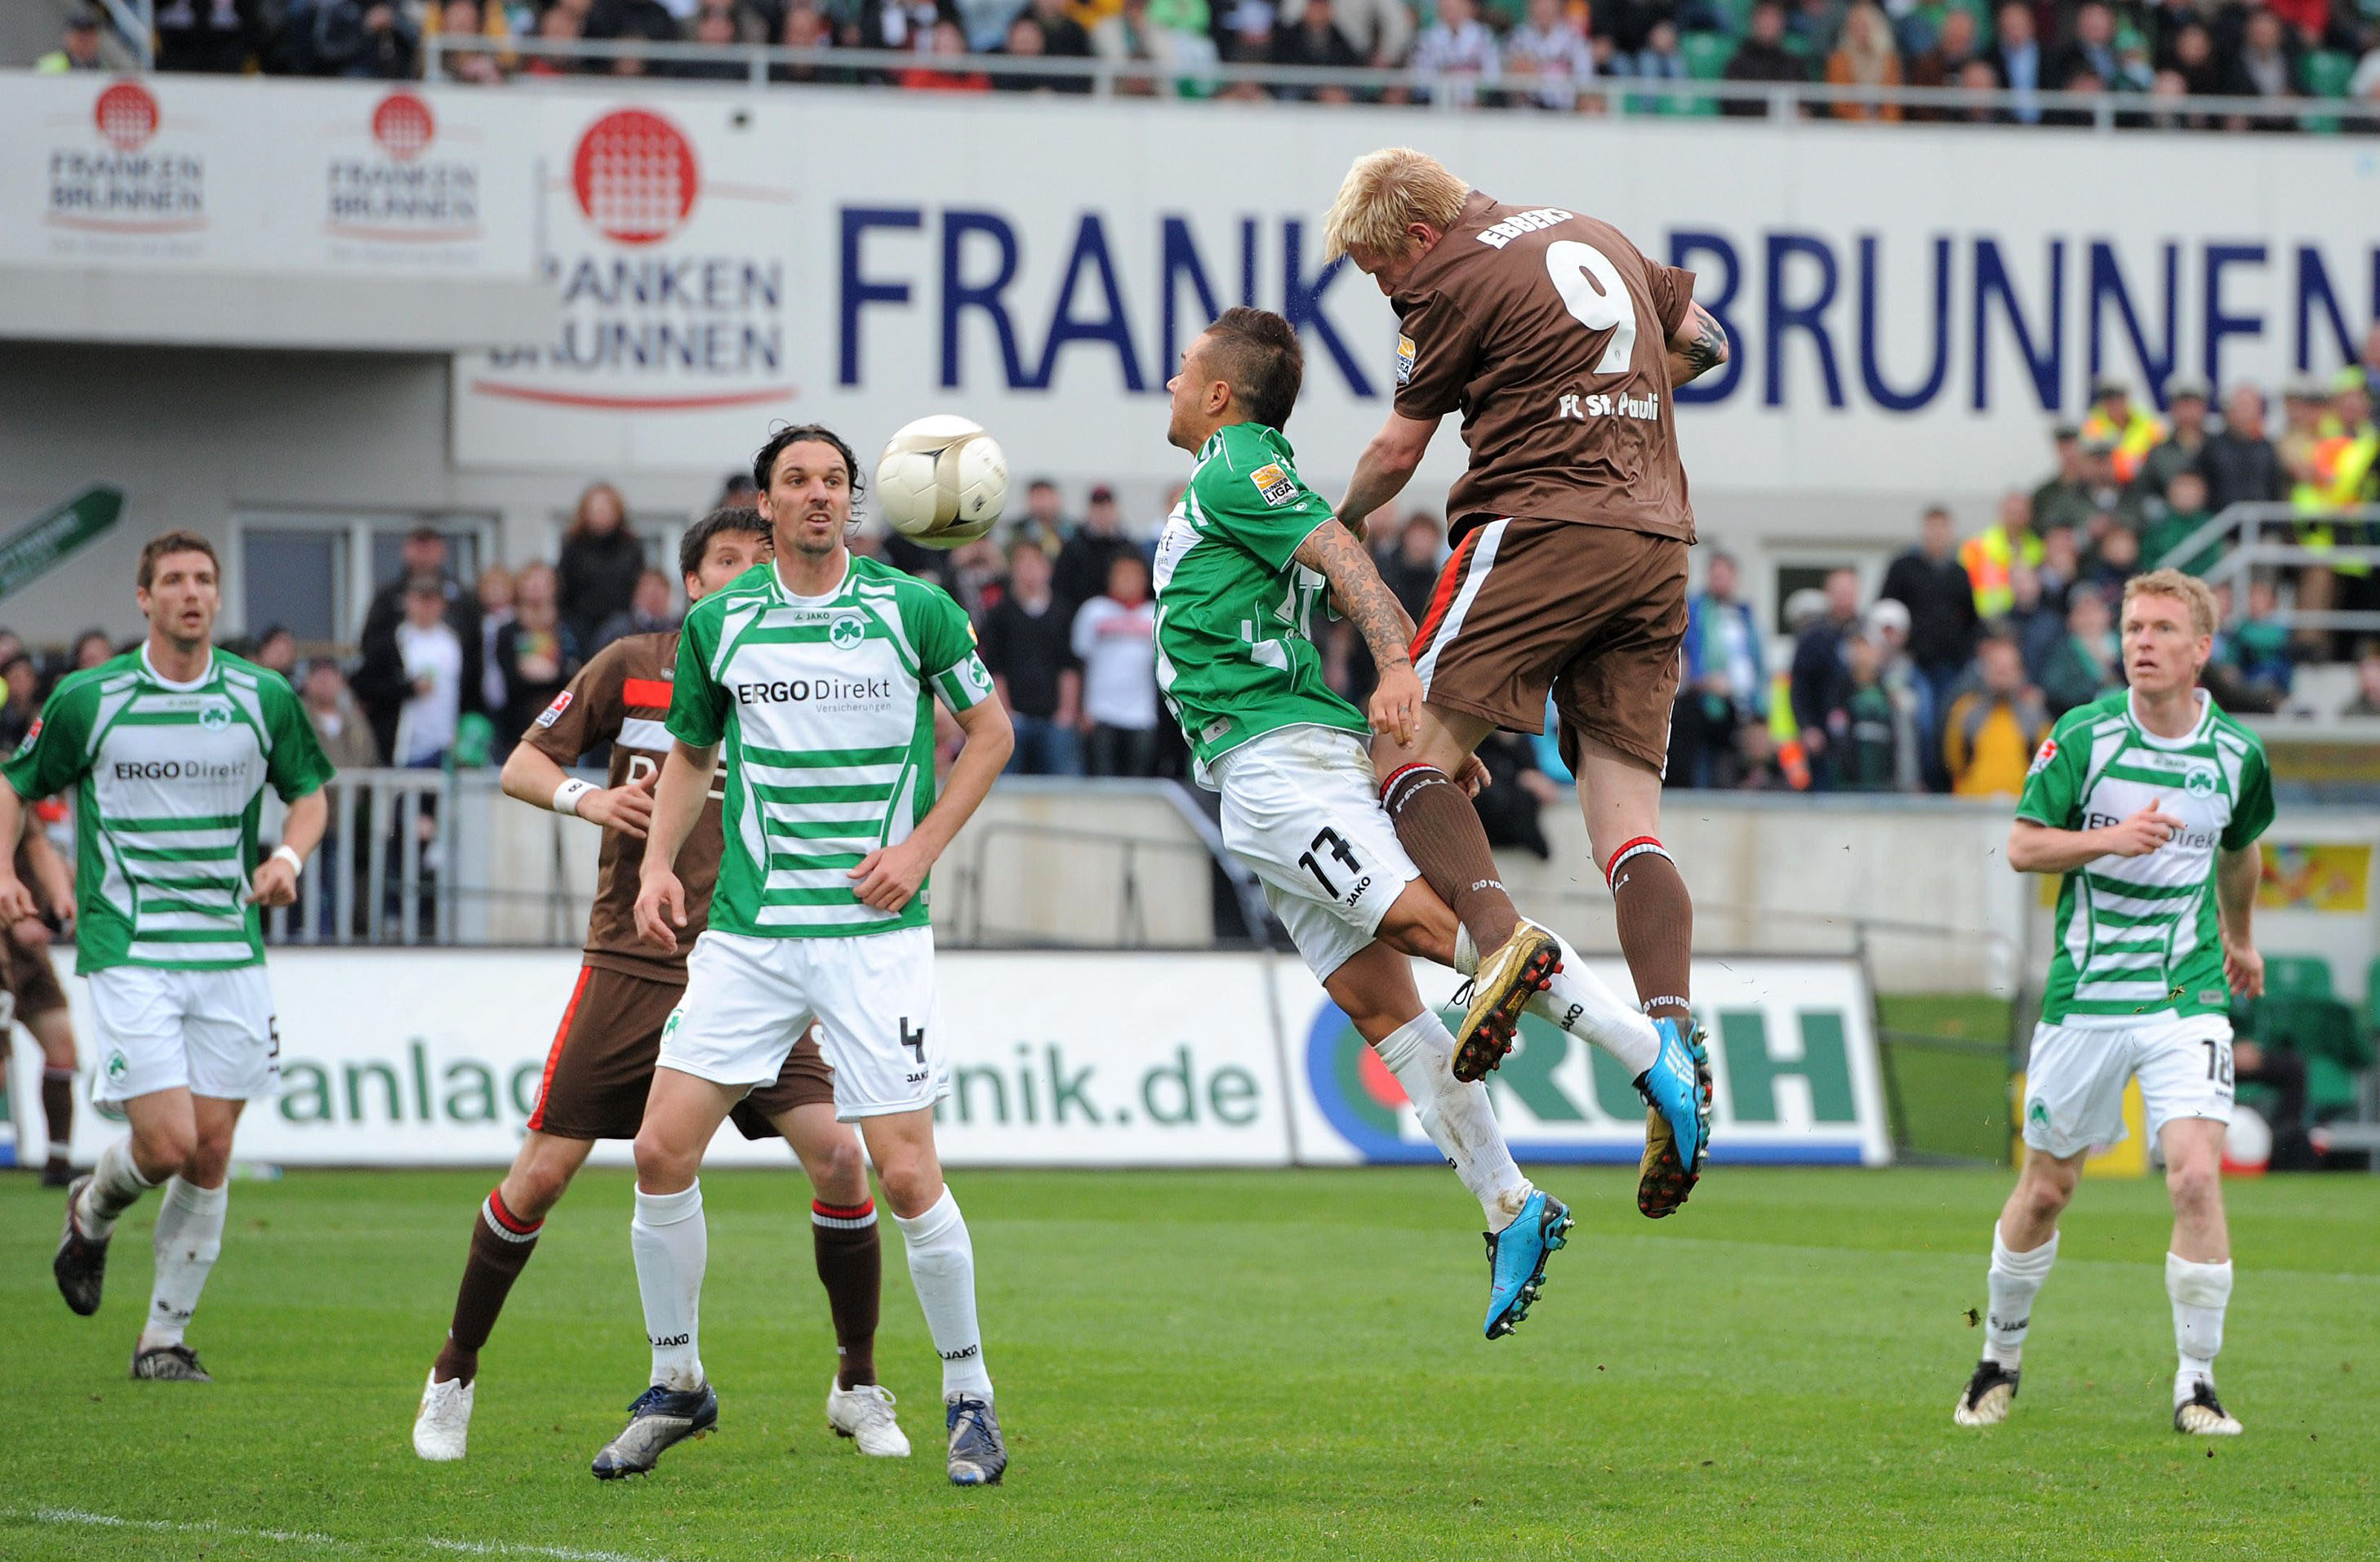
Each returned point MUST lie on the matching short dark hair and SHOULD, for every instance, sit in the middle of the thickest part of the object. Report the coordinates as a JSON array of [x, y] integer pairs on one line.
[[1257, 356], [726, 518], [765, 462], [165, 543]]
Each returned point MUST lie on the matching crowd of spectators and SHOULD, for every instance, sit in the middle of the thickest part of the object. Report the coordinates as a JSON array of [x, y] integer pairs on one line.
[[1950, 675], [1946, 679], [1546, 54]]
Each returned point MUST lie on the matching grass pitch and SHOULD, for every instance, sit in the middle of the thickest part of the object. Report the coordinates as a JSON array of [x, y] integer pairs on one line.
[[1264, 1365]]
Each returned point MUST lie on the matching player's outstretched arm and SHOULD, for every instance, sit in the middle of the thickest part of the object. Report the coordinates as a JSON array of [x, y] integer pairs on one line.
[[2038, 848], [887, 877], [678, 805], [1385, 467], [530, 775], [1367, 602], [1697, 346], [2237, 875]]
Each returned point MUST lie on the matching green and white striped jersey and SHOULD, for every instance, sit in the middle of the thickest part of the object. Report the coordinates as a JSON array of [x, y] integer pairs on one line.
[[2138, 937], [1235, 652], [824, 709], [169, 782]]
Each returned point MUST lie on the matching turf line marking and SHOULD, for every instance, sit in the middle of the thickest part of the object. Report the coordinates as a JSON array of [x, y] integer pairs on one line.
[[306, 1537]]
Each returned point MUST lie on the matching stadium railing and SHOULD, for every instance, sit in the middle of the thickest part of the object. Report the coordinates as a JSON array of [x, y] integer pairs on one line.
[[2258, 536], [1103, 77]]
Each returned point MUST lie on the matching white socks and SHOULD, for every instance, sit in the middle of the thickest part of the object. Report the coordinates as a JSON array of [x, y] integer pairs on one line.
[[941, 1265], [672, 1247], [2200, 1292], [116, 1184], [2015, 1281], [1581, 1005], [1456, 1115], [188, 1236]]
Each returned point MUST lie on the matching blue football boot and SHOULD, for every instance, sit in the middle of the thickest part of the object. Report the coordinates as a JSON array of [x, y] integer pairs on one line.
[[1676, 1130], [979, 1457], [658, 1419], [1516, 1260]]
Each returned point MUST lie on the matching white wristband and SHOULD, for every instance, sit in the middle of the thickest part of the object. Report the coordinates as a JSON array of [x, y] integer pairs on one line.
[[287, 854], [569, 796]]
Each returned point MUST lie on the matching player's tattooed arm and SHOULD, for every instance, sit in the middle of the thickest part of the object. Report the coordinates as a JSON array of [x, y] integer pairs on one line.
[[1697, 346], [1367, 602], [1355, 585]]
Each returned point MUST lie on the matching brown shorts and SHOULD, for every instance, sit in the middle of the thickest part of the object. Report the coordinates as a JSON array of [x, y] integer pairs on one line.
[[1592, 615], [601, 1067], [34, 977]]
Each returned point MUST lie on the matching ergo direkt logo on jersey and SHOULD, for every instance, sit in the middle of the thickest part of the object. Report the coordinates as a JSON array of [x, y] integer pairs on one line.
[[783, 691], [177, 769]]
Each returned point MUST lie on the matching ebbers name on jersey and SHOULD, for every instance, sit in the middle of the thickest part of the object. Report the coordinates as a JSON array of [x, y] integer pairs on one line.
[[1646, 409], [1513, 227], [794, 690]]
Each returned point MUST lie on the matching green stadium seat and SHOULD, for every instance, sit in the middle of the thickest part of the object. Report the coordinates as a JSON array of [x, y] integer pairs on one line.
[[2325, 1033], [2372, 996], [2297, 975], [1707, 54], [2328, 73]]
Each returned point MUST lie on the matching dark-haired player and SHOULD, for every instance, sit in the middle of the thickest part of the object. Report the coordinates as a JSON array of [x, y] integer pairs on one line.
[[814, 679], [1242, 561], [1563, 347], [600, 1067]]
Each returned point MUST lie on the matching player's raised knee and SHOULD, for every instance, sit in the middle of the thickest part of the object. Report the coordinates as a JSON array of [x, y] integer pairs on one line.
[[663, 1166]]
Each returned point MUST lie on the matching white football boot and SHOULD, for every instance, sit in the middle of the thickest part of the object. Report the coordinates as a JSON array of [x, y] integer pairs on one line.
[[443, 1425], [865, 1415]]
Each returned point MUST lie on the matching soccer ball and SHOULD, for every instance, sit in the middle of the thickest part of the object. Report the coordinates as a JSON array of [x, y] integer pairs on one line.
[[941, 480]]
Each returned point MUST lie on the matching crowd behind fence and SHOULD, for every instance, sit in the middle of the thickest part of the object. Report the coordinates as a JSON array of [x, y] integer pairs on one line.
[[2189, 65]]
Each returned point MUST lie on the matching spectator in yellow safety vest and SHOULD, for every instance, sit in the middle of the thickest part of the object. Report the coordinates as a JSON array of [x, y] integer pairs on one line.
[[1992, 731], [2115, 420], [1987, 555]]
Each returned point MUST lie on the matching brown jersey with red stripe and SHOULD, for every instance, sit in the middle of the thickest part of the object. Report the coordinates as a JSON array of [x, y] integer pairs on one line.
[[1550, 332], [622, 697]]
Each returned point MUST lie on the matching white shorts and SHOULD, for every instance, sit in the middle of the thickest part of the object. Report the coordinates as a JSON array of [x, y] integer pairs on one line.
[[1302, 807], [748, 999], [213, 1032], [2074, 1080]]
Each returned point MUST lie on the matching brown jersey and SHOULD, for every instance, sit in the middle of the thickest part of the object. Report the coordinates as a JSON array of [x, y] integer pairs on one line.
[[1550, 332], [622, 697]]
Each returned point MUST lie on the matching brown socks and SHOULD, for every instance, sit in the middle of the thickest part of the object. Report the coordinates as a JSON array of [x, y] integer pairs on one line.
[[1442, 831], [1656, 927], [851, 1268], [57, 1109], [500, 1243]]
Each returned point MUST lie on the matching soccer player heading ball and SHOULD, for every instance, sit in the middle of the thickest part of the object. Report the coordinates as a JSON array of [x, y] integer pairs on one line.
[[1241, 565], [816, 673], [1564, 347], [2147, 803]]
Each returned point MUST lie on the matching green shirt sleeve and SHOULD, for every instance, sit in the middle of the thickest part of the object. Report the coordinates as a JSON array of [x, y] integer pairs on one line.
[[2251, 812], [1258, 501], [2053, 787], [53, 755], [946, 649], [698, 713], [297, 764]]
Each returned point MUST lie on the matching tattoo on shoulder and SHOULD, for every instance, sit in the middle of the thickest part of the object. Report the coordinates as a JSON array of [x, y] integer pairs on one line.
[[1708, 349]]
